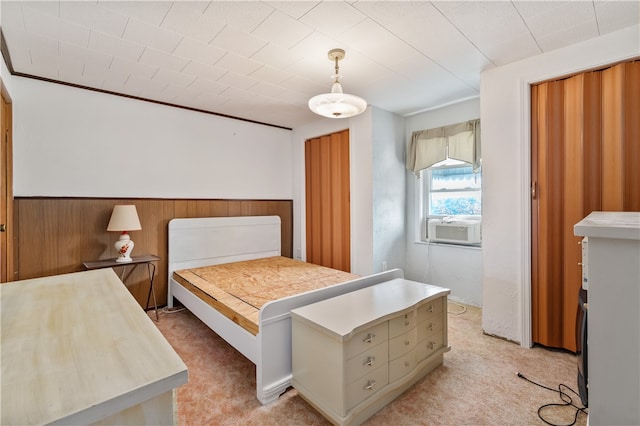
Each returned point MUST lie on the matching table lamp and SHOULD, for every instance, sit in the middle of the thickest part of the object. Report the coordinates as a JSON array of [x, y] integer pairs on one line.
[[124, 218]]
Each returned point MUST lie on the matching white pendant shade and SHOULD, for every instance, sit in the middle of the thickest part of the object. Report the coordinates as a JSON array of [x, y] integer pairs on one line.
[[337, 104]]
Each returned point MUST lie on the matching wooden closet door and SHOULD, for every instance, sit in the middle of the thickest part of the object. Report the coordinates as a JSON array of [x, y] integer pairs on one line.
[[6, 193], [585, 151], [327, 186]]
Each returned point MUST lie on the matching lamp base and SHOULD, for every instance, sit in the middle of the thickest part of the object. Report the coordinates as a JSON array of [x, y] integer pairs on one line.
[[124, 247]]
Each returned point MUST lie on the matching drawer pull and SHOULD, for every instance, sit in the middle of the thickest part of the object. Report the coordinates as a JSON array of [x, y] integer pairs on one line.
[[370, 384], [369, 361], [369, 338], [431, 345], [430, 308], [430, 327], [407, 342], [407, 323]]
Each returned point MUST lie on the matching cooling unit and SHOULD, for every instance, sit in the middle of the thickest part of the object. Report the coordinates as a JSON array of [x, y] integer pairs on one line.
[[454, 231]]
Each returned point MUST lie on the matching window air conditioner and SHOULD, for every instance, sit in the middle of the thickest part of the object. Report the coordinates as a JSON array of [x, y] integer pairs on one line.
[[454, 231]]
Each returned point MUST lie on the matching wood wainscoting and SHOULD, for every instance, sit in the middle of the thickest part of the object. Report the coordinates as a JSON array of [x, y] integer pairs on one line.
[[56, 235]]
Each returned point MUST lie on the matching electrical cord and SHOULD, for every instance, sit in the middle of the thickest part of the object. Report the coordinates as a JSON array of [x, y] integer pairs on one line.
[[567, 401], [462, 307]]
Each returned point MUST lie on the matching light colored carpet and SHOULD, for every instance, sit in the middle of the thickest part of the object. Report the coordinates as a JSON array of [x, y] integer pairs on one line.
[[476, 385]]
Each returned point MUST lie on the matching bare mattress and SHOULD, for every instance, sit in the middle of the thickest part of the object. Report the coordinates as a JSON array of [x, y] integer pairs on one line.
[[238, 290]]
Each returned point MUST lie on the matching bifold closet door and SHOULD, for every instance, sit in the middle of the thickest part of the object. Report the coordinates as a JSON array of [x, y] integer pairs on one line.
[[585, 156], [327, 186]]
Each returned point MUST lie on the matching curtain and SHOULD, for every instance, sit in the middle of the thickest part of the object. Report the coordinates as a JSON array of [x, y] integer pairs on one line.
[[459, 141]]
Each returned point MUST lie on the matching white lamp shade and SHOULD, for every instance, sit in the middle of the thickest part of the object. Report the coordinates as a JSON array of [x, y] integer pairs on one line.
[[337, 105], [124, 218]]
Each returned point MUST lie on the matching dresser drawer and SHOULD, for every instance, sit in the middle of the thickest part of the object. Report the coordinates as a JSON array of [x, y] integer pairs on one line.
[[402, 323], [431, 309], [367, 386], [400, 345], [403, 365], [367, 339], [367, 361], [430, 345], [429, 327]]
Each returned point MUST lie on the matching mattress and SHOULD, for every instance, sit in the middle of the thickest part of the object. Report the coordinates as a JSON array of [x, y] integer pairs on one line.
[[238, 290]]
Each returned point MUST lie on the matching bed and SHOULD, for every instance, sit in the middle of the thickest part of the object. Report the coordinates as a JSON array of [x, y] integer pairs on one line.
[[245, 251]]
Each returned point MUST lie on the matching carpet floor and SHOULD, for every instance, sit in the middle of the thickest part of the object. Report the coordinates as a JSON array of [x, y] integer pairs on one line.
[[478, 383]]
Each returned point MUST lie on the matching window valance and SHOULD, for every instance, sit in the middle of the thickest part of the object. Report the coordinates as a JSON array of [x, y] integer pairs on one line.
[[459, 141]]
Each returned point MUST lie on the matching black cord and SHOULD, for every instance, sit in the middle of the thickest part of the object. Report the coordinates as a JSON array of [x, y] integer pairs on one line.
[[567, 401]]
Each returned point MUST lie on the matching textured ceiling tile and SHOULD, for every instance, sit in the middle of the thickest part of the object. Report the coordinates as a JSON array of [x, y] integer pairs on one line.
[[568, 35], [205, 85], [114, 46], [333, 17], [99, 73], [270, 75], [93, 16], [237, 41], [295, 9], [374, 41], [48, 25], [150, 35], [282, 30], [238, 81], [556, 17], [145, 87], [152, 12], [511, 49], [173, 77], [188, 18], [243, 15], [402, 56], [11, 17], [238, 64], [613, 15], [70, 52], [156, 58], [199, 51], [124, 66], [276, 56], [209, 72]]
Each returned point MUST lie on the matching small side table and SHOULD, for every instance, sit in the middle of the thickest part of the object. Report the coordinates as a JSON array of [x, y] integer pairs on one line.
[[146, 259]]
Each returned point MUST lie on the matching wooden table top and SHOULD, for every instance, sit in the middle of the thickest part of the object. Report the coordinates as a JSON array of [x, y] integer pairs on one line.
[[77, 348]]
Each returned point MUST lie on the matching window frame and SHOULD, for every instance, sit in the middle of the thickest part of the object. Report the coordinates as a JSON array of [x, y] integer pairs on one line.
[[423, 192]]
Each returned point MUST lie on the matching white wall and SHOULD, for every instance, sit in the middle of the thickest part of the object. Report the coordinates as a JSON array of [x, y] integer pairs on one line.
[[74, 142], [388, 191], [455, 267], [505, 118]]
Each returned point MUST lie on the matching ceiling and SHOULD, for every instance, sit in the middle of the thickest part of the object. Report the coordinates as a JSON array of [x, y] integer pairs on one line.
[[262, 60]]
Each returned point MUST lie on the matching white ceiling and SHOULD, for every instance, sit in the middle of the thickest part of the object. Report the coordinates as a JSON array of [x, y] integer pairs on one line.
[[263, 60]]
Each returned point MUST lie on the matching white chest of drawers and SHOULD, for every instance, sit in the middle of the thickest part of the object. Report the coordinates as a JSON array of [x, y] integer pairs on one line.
[[355, 353]]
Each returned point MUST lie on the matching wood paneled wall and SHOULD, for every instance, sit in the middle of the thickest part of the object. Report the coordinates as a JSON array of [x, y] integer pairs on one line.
[[56, 235], [585, 151]]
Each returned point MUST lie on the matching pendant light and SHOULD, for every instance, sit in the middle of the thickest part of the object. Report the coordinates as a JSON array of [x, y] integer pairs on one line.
[[337, 104]]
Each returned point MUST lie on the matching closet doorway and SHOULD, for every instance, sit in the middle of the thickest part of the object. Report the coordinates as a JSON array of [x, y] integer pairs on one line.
[[6, 192], [327, 188], [585, 156]]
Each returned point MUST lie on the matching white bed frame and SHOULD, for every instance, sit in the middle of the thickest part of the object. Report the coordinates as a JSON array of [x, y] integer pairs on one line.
[[211, 241]]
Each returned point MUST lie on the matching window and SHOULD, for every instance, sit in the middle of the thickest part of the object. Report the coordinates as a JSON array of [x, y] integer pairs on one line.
[[451, 192]]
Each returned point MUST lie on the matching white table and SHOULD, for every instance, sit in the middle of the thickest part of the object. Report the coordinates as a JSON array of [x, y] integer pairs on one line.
[[77, 349]]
